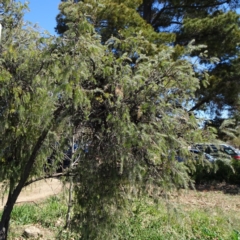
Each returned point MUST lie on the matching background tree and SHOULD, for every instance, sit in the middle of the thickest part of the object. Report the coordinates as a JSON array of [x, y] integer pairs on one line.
[[213, 23]]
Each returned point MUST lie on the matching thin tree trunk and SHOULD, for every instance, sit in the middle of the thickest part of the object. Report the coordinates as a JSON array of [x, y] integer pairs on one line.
[[68, 216], [13, 195]]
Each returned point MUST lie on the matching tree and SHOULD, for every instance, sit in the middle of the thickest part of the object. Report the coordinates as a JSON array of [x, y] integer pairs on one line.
[[137, 123], [213, 23], [127, 99], [27, 111], [37, 97]]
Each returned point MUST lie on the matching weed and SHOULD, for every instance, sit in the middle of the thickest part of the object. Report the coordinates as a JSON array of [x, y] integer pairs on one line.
[[146, 220]]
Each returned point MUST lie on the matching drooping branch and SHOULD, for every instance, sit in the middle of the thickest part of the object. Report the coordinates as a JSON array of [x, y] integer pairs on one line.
[[55, 175]]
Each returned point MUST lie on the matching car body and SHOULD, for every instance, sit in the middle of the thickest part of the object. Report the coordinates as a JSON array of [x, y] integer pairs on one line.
[[233, 152], [218, 150], [196, 153]]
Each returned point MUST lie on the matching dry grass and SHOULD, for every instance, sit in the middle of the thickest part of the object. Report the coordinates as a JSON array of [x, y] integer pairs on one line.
[[207, 199]]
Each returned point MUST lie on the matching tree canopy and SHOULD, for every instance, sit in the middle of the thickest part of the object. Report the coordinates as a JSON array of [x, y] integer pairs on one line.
[[213, 23], [126, 95]]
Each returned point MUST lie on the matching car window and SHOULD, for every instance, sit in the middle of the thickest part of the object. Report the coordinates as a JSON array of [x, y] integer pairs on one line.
[[229, 151], [213, 148]]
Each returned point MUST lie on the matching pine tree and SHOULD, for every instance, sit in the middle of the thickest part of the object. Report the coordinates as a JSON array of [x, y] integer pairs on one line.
[[213, 23]]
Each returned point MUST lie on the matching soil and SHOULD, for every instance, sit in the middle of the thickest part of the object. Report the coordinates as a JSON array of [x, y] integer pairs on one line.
[[222, 196], [37, 191]]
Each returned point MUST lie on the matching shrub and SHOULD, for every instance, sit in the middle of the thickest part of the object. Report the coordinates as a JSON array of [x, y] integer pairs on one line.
[[220, 171]]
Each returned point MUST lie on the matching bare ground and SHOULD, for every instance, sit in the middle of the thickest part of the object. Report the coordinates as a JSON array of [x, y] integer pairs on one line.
[[36, 191], [226, 197], [222, 196]]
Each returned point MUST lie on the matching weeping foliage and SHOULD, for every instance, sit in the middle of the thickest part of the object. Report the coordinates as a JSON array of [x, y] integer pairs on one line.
[[137, 123], [126, 100], [24, 95]]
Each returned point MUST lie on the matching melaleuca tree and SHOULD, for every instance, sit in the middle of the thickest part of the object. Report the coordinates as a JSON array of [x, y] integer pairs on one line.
[[137, 122], [214, 23], [126, 99], [27, 110], [40, 80]]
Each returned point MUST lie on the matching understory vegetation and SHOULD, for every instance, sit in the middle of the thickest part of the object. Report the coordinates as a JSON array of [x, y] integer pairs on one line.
[[166, 219], [221, 171], [112, 103]]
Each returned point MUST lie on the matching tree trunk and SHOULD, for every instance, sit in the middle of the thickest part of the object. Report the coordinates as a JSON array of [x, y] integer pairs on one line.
[[13, 195], [68, 216], [147, 10]]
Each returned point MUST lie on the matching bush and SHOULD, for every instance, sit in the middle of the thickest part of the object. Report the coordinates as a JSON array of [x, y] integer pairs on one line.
[[220, 171]]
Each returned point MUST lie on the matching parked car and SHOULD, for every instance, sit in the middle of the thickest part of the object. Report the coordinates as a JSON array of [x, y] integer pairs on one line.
[[218, 150], [197, 153], [234, 153]]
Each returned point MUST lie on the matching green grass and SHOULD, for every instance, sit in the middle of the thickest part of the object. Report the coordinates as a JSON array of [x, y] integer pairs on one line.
[[156, 222], [161, 221], [45, 214]]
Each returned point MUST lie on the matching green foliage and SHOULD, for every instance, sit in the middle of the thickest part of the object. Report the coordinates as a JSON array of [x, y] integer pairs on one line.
[[235, 235], [222, 171], [41, 88], [127, 99], [137, 94], [225, 26], [214, 24], [111, 18]]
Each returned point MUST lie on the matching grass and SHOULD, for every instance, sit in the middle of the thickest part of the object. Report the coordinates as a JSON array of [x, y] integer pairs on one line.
[[165, 220], [45, 214]]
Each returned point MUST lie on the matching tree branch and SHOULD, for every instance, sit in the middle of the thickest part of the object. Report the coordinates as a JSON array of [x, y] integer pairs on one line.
[[184, 6], [55, 175], [199, 104]]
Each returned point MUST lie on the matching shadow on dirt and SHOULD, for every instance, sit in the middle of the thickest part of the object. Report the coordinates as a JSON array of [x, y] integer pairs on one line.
[[222, 187]]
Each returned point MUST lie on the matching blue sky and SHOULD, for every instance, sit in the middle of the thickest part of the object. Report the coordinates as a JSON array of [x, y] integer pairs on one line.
[[43, 12]]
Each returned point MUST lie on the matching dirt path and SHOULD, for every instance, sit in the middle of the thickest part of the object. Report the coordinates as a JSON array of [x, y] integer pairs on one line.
[[203, 198], [38, 191]]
